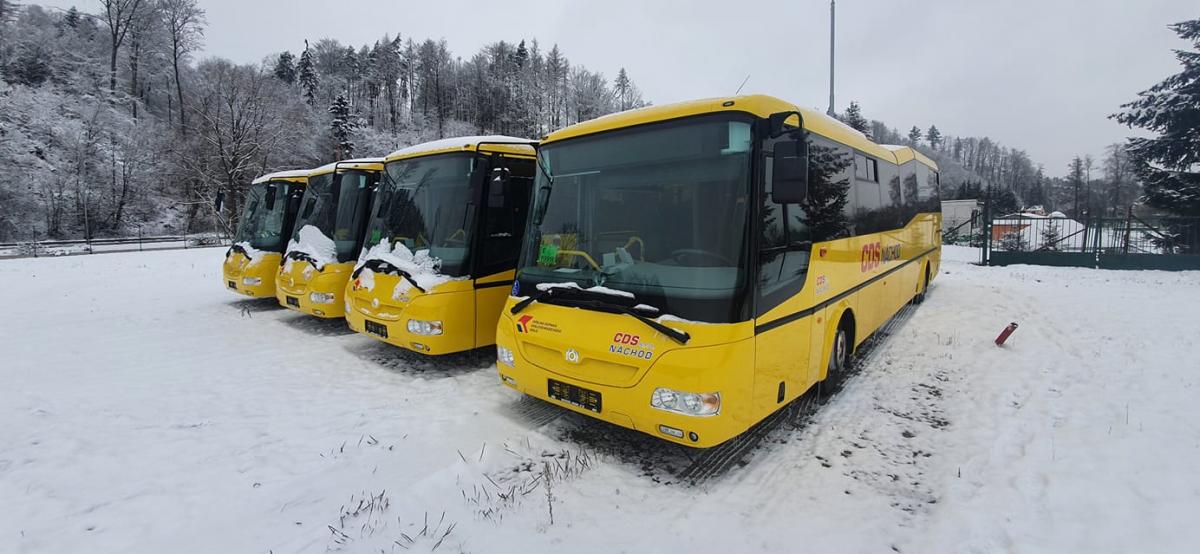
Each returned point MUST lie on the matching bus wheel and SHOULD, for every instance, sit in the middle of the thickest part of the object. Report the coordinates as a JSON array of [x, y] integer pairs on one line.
[[839, 356], [920, 297]]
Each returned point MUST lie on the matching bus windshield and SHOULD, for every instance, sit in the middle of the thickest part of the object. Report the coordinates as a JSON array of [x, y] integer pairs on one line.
[[336, 211], [262, 219], [426, 203], [660, 211]]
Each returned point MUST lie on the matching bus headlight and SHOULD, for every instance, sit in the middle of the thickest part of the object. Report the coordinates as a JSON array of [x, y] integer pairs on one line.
[[251, 281], [504, 355], [321, 297], [686, 403], [418, 327]]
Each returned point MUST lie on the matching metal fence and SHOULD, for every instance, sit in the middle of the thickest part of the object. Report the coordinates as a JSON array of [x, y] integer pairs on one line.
[[46, 248], [1126, 242]]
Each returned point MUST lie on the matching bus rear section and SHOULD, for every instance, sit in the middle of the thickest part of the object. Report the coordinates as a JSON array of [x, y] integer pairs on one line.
[[680, 280], [328, 235], [442, 244], [269, 211]]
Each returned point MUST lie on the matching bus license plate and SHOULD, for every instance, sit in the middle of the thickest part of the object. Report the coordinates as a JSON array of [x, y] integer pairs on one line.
[[377, 329], [293, 301], [233, 285], [573, 395]]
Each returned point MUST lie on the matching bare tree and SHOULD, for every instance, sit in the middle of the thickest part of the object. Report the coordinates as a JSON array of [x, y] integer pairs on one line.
[[185, 27], [118, 15]]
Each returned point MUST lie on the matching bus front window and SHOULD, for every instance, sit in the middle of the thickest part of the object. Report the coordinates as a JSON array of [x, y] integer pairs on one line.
[[425, 203], [335, 210], [659, 211], [261, 224]]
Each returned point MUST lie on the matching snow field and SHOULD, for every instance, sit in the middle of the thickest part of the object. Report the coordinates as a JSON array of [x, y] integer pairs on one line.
[[146, 409]]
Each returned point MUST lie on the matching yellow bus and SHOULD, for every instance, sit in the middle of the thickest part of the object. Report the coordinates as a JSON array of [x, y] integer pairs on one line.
[[268, 212], [691, 268], [442, 244], [328, 235]]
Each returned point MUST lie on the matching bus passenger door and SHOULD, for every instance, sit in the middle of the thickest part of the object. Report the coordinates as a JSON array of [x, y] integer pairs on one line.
[[505, 197]]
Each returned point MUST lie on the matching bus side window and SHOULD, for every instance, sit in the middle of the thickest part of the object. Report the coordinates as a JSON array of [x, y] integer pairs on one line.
[[786, 243]]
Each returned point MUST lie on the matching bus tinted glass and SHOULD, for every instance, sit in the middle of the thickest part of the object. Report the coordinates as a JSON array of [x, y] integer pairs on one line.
[[262, 223]]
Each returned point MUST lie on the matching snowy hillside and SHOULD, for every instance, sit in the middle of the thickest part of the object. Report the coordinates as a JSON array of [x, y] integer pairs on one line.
[[146, 409]]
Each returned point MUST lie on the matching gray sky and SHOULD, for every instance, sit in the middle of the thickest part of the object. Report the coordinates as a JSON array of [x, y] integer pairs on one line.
[[1038, 75]]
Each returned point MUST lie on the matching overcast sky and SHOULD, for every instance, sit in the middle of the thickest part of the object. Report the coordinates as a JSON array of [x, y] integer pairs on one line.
[[1041, 75]]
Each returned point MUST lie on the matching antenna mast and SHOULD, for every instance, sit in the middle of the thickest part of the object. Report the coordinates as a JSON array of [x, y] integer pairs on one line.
[[831, 112]]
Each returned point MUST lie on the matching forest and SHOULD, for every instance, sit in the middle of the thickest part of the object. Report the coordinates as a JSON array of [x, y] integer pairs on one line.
[[113, 124]]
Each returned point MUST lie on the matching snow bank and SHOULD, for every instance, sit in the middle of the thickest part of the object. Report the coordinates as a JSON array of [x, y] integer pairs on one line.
[[316, 245], [452, 143], [423, 268]]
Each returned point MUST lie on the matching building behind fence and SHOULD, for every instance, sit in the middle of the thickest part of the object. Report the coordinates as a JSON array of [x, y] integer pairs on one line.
[[1130, 242]]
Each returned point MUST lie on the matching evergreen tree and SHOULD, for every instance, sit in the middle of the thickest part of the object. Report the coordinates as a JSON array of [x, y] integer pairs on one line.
[[854, 118], [71, 19], [621, 87], [1167, 163], [307, 74], [285, 68], [1075, 181], [341, 126], [1050, 236], [1014, 242], [914, 136], [825, 207], [933, 137]]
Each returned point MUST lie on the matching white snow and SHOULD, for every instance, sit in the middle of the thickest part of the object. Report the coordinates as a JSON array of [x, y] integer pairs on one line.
[[315, 244], [455, 142], [573, 285], [292, 174], [252, 253], [343, 165], [423, 267], [146, 409]]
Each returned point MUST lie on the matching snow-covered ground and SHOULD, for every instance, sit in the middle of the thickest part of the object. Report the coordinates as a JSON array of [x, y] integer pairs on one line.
[[145, 409]]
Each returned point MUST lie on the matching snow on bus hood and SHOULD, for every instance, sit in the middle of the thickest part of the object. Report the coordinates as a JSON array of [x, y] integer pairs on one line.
[[421, 266], [252, 253], [313, 243]]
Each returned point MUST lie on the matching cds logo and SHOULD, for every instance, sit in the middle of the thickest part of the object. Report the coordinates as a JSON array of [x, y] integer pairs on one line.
[[523, 324], [874, 254], [627, 344]]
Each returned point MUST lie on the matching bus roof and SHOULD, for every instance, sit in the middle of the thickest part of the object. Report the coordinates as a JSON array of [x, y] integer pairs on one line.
[[369, 164], [292, 175], [507, 145], [759, 105]]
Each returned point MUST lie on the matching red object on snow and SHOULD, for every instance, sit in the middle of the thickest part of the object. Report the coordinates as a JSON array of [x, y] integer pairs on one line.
[[1005, 333]]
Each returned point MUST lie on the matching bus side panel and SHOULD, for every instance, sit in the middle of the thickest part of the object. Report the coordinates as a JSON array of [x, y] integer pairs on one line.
[[489, 300], [781, 355]]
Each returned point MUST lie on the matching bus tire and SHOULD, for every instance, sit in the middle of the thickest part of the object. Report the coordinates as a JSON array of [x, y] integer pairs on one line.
[[839, 352], [920, 297]]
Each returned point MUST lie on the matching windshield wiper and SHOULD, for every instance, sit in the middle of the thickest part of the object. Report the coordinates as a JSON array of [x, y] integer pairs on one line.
[[596, 301], [299, 256], [381, 266]]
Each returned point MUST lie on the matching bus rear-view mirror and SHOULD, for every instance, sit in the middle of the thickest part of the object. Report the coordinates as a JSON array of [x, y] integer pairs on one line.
[[789, 172], [218, 201]]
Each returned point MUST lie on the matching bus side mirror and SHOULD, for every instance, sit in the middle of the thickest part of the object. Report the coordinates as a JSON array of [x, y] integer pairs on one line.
[[497, 186], [271, 198], [789, 172], [220, 199]]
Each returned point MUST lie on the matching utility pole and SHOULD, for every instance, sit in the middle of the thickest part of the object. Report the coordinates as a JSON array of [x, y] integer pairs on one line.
[[832, 10]]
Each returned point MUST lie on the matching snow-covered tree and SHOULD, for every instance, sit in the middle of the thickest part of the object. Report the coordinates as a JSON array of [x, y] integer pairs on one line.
[[307, 74], [933, 137], [1050, 235], [854, 118], [285, 68], [1169, 163], [1014, 242], [341, 126], [914, 135]]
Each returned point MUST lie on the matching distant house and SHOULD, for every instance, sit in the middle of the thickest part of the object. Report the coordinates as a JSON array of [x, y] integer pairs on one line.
[[963, 215], [1033, 230]]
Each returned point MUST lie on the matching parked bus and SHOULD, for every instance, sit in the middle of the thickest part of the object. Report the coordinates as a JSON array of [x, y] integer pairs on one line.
[[327, 238], [689, 269], [442, 244], [269, 210]]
